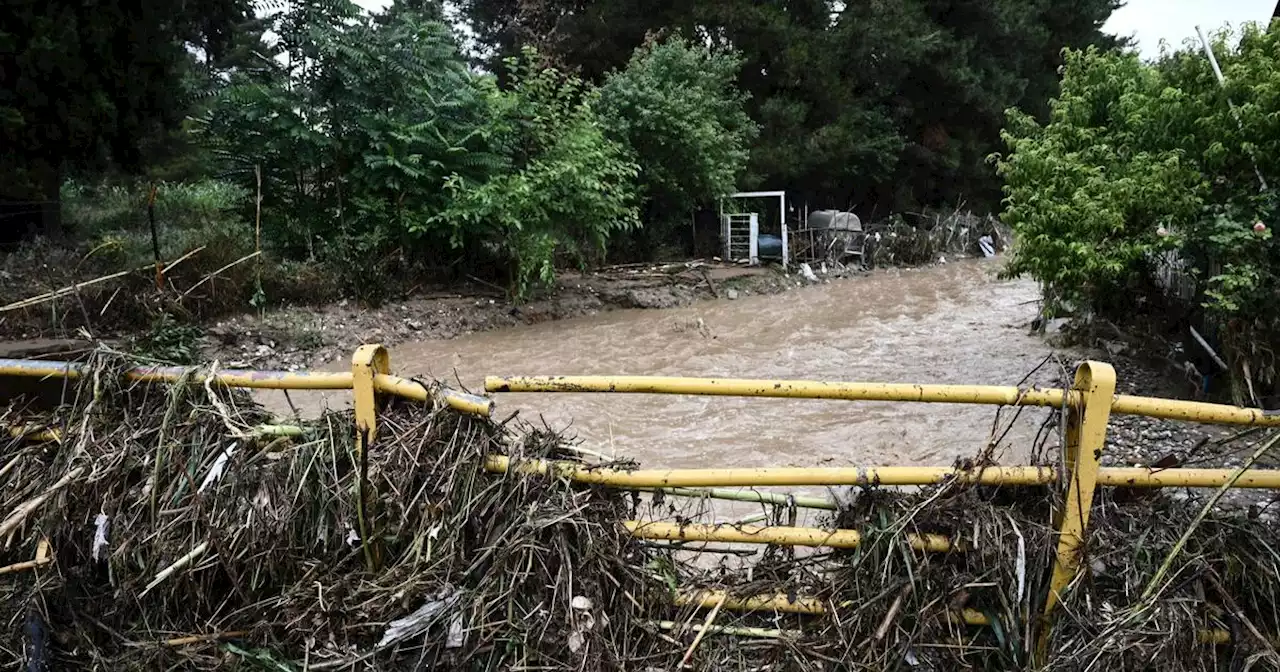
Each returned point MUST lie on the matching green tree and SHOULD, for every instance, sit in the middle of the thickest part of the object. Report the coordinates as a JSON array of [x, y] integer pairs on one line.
[[876, 105], [678, 109], [1138, 161], [355, 134], [570, 187], [83, 84]]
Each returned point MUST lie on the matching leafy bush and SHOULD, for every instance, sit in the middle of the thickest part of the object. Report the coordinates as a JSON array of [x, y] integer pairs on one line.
[[356, 134], [678, 108], [170, 340], [1141, 161], [570, 187]]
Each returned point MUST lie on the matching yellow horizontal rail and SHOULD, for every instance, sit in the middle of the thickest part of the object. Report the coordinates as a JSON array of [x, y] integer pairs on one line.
[[1142, 477], [410, 389], [749, 496], [269, 380], [1172, 409], [780, 476], [1135, 477], [780, 535], [787, 389], [1193, 411]]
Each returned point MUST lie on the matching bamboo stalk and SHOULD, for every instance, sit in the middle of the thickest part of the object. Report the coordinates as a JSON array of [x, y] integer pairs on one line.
[[20, 514], [177, 565], [71, 289], [702, 632], [44, 556], [764, 633], [214, 274]]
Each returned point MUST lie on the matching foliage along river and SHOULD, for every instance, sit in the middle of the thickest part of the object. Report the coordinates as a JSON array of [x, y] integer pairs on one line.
[[950, 323]]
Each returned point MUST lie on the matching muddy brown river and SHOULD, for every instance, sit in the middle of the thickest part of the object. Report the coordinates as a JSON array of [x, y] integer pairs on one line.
[[951, 323]]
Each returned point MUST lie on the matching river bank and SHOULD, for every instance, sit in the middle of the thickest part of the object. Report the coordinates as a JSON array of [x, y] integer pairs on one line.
[[292, 337]]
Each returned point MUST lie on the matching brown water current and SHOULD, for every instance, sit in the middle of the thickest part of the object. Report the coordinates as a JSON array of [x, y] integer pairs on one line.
[[950, 323]]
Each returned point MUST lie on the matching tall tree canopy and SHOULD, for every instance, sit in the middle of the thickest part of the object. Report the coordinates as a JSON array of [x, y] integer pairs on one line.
[[85, 83], [871, 105]]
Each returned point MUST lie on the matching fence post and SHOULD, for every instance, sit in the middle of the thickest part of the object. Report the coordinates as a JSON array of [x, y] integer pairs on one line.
[[1095, 387], [368, 361]]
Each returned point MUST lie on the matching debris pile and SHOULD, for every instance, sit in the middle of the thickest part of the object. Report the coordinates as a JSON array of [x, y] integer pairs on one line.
[[177, 526]]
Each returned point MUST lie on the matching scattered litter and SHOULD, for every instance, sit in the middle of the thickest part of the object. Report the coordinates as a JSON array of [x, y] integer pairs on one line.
[[421, 619], [100, 523]]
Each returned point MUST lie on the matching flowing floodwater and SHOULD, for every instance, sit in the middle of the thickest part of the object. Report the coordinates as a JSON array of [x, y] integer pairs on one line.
[[952, 323]]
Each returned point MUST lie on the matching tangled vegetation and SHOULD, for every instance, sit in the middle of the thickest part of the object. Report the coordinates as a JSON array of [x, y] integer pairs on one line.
[[1149, 191], [179, 526], [366, 145]]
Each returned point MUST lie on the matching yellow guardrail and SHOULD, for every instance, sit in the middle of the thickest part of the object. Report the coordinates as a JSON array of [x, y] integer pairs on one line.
[[268, 380], [1088, 403]]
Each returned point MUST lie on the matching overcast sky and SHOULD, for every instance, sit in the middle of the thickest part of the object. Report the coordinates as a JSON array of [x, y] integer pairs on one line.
[[1149, 21], [1175, 20]]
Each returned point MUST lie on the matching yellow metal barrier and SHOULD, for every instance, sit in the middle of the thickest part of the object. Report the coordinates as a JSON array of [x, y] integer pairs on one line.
[[780, 535], [1171, 409], [1088, 404], [264, 380], [1134, 477], [1086, 436]]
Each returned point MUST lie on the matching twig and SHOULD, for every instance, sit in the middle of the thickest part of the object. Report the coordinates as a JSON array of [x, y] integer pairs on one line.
[[71, 289], [196, 639], [155, 237], [177, 565], [892, 613], [210, 276], [706, 625]]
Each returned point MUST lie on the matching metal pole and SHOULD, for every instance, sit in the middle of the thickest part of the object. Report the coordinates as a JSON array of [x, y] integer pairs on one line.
[[1086, 436], [1235, 113]]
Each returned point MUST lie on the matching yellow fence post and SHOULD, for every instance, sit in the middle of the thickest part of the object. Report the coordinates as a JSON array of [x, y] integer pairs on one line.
[[1095, 386], [367, 362]]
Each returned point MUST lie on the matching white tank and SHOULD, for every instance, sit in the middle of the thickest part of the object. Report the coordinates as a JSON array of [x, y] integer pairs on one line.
[[835, 220]]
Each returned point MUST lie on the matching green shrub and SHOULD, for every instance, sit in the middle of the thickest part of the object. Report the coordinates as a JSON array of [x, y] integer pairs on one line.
[[1138, 160], [677, 107], [570, 189], [170, 340], [355, 135]]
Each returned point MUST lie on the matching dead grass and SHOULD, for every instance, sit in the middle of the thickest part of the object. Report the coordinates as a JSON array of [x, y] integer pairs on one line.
[[222, 546]]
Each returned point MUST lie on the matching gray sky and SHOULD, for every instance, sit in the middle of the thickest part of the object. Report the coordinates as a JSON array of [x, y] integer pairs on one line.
[[1175, 20], [1147, 20]]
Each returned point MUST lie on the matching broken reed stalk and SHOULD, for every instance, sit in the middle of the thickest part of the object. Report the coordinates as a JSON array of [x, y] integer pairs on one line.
[[44, 556], [1158, 578], [72, 289], [702, 632]]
